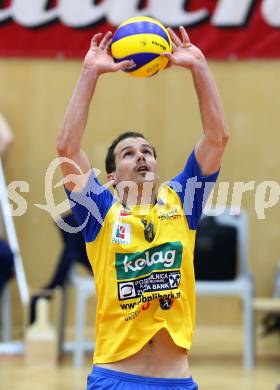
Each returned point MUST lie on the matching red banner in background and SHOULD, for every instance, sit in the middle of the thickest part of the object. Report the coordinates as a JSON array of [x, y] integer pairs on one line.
[[63, 28]]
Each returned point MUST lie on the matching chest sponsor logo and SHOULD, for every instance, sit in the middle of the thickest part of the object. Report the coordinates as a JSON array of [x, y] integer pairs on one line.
[[127, 290], [170, 215], [121, 233], [157, 281], [161, 257]]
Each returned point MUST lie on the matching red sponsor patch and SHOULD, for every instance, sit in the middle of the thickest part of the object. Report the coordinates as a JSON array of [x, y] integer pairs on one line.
[[122, 232]]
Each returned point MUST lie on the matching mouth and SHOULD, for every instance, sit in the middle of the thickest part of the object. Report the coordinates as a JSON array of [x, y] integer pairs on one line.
[[142, 169]]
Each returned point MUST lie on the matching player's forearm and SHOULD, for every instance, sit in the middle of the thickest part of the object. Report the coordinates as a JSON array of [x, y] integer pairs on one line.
[[6, 136], [76, 115], [211, 108]]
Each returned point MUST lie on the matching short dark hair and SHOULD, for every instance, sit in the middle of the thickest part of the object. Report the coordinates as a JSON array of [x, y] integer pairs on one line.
[[110, 162]]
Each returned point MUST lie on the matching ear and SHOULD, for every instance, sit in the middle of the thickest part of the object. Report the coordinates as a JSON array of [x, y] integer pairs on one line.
[[112, 178]]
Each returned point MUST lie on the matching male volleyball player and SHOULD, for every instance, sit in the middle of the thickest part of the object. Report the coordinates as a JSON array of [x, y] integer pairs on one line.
[[141, 243]]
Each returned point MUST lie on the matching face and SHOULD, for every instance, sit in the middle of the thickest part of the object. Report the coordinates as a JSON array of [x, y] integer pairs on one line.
[[135, 161]]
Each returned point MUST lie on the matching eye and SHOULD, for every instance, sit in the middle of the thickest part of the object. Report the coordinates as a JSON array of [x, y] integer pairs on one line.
[[127, 154], [148, 151]]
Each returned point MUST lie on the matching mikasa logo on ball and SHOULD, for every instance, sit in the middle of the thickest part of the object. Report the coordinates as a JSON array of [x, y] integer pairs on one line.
[[121, 233], [158, 44]]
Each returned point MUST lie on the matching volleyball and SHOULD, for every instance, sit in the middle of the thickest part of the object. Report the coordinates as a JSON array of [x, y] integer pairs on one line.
[[142, 39]]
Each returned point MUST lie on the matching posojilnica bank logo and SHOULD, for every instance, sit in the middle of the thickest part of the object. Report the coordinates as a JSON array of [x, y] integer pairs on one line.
[[155, 269]]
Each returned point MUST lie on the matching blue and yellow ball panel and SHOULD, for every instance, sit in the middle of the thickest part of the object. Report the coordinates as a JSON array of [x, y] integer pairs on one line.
[[142, 39]]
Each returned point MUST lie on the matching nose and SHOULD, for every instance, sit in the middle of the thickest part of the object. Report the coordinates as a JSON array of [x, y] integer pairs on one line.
[[140, 156]]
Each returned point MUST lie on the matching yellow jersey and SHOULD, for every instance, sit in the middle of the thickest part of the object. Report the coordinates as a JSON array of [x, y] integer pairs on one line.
[[142, 261]]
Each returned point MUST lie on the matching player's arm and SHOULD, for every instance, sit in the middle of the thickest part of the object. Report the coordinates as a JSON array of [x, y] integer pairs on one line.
[[97, 61], [210, 148], [6, 136]]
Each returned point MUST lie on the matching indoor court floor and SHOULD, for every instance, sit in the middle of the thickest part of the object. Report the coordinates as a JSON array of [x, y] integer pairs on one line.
[[216, 364]]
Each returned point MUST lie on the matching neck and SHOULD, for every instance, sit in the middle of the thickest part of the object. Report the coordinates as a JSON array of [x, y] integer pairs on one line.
[[145, 195]]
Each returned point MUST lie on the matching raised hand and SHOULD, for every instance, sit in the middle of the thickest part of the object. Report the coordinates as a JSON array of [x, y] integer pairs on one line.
[[98, 57], [184, 54]]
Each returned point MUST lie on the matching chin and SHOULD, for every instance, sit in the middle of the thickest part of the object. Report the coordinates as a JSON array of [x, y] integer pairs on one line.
[[147, 176], [143, 182]]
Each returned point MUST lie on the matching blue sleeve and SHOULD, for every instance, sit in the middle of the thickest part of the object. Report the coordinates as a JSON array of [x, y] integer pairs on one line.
[[193, 189], [90, 207]]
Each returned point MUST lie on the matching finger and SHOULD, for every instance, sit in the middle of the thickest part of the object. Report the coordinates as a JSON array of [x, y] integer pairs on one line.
[[95, 39], [175, 39], [174, 48], [105, 40], [108, 45], [169, 56], [184, 35], [124, 65]]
